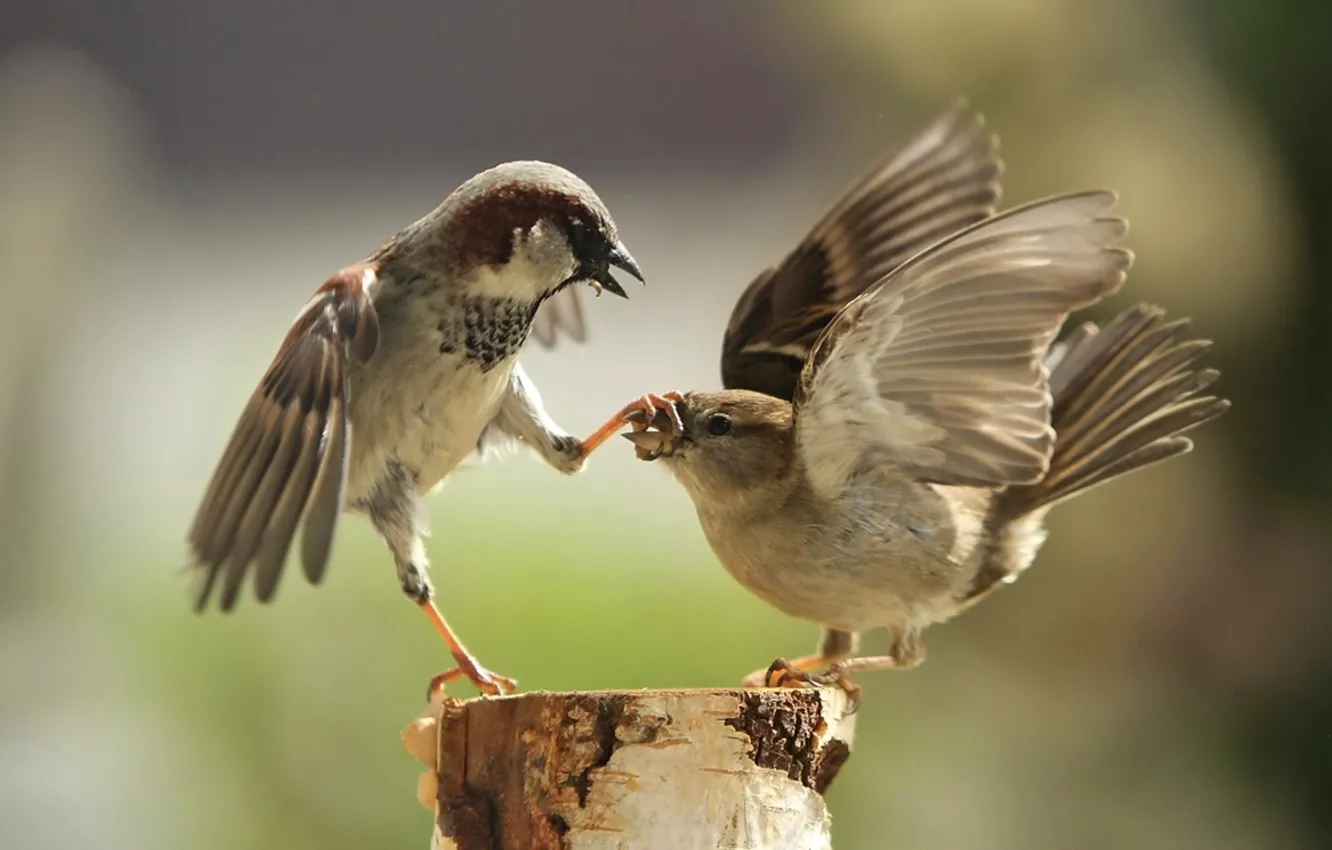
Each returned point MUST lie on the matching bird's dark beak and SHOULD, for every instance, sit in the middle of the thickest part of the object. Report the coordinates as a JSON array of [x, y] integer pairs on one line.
[[652, 439], [619, 257]]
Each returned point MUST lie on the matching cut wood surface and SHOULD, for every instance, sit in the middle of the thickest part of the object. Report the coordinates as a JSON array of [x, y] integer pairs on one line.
[[658, 770]]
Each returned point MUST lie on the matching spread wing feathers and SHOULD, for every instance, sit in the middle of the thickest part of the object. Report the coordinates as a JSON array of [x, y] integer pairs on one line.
[[938, 370], [945, 179], [561, 313], [287, 458], [1123, 397]]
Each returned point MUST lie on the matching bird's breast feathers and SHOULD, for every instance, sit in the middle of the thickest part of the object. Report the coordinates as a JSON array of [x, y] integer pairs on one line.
[[428, 422]]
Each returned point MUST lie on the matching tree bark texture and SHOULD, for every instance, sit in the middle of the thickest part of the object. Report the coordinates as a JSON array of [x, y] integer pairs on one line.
[[624, 770]]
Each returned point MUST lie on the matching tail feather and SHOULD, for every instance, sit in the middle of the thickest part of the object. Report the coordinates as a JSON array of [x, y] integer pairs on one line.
[[1123, 397]]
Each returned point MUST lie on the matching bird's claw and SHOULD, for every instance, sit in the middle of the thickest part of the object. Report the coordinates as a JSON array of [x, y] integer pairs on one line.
[[656, 411], [783, 674], [491, 684], [650, 410]]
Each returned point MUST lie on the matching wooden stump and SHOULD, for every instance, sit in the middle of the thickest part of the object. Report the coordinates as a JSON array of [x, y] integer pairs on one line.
[[633, 769]]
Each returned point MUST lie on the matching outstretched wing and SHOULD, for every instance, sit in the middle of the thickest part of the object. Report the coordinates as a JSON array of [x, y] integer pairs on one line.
[[287, 458], [943, 180], [559, 315], [938, 370]]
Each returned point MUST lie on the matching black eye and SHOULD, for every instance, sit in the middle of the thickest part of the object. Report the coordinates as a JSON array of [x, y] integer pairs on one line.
[[584, 241], [719, 424]]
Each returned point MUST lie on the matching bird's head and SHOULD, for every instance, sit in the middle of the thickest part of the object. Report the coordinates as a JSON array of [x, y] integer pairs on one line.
[[521, 230], [723, 444]]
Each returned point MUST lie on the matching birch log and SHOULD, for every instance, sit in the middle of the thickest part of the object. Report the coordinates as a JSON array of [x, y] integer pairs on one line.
[[656, 770]]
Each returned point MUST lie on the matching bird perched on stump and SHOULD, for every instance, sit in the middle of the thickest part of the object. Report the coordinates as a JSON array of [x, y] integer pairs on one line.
[[398, 369], [898, 420]]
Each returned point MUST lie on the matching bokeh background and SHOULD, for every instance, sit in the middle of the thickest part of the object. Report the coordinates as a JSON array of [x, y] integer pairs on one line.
[[175, 179]]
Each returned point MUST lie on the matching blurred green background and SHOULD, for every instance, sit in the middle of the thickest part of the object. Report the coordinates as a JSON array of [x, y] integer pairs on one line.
[[176, 178]]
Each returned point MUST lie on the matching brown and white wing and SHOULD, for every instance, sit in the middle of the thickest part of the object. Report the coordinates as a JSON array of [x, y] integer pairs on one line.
[[939, 369], [942, 181], [559, 315], [287, 458]]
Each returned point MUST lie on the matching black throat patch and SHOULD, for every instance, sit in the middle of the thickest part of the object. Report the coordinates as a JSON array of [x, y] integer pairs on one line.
[[486, 331]]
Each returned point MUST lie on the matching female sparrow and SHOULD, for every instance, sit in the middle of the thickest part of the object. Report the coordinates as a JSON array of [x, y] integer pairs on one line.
[[887, 457]]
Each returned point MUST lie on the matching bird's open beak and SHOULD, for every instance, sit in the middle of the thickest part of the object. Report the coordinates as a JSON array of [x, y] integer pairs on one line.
[[621, 259], [652, 439]]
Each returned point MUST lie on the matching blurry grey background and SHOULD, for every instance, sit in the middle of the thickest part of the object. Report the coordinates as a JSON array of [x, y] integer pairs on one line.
[[176, 178]]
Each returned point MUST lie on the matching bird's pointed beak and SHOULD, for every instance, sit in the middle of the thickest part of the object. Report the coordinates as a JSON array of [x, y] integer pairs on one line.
[[620, 258]]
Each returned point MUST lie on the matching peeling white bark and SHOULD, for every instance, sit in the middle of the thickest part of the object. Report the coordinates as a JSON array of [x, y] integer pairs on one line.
[[613, 770]]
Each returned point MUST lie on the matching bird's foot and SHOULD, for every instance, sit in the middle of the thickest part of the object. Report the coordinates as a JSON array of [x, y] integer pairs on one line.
[[657, 411], [492, 684], [567, 454], [783, 673], [641, 413], [809, 672], [468, 667]]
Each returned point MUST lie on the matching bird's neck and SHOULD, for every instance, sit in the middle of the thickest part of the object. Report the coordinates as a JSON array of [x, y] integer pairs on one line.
[[484, 328], [520, 279], [747, 498]]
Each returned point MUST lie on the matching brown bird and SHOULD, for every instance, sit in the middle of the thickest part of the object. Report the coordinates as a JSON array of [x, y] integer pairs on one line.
[[397, 370], [887, 447], [943, 179]]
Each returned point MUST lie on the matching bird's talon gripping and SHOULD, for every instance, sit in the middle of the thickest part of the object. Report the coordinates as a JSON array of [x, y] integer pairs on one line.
[[840, 679], [667, 404], [440, 680], [783, 674], [639, 414], [780, 674], [491, 684]]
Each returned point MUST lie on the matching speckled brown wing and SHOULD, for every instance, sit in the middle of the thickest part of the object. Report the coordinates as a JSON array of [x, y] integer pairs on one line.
[[559, 315], [287, 457], [939, 370], [942, 181]]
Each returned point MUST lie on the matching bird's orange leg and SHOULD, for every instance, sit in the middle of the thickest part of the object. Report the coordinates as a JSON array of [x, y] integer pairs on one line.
[[790, 672], [907, 653], [834, 646], [468, 667]]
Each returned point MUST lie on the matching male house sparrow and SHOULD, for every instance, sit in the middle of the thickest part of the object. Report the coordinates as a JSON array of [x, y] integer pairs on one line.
[[887, 449], [399, 368]]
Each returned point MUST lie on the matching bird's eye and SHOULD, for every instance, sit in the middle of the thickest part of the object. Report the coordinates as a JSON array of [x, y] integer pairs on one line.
[[719, 424], [578, 237]]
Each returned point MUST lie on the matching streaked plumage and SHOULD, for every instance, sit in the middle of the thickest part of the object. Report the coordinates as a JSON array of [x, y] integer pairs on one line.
[[932, 424], [287, 458], [398, 369]]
